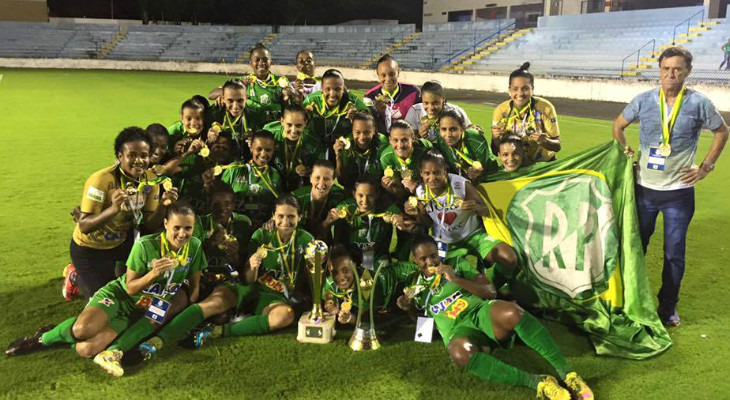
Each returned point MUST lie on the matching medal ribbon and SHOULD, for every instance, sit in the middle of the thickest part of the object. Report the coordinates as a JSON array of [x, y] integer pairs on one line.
[[289, 163], [232, 124], [463, 153], [263, 177], [448, 201], [301, 76], [270, 81], [393, 95], [515, 115], [286, 250], [668, 125]]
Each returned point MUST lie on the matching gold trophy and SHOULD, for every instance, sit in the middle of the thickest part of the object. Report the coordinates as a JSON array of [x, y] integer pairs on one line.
[[316, 326], [364, 337]]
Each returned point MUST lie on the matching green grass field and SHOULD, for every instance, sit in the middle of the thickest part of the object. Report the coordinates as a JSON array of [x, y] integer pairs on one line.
[[58, 127]]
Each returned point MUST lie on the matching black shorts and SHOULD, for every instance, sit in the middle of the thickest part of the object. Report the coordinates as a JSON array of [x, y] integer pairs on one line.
[[96, 267]]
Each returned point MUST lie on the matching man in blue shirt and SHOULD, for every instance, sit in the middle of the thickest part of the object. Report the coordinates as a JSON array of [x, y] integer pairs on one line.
[[671, 118]]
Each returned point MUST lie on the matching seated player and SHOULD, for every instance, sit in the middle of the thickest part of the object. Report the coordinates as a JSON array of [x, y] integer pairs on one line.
[[256, 184], [340, 292], [275, 270], [332, 109], [366, 223], [307, 82], [317, 200], [473, 325], [230, 115], [117, 201], [530, 117], [358, 154], [424, 116], [512, 153], [466, 151], [296, 147], [452, 207], [400, 160], [157, 268], [391, 99]]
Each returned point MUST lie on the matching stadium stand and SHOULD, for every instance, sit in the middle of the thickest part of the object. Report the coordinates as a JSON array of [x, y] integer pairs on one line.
[[339, 45]]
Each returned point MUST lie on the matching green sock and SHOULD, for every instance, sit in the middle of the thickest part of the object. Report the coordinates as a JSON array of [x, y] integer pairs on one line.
[[183, 323], [493, 370], [531, 331], [250, 326], [133, 335], [62, 333]]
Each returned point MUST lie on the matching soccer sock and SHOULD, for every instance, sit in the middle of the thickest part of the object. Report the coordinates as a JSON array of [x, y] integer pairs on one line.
[[251, 326], [493, 370], [133, 335], [183, 323], [62, 333], [531, 331]]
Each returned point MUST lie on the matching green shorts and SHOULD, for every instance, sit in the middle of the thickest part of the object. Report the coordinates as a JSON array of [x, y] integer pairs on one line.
[[255, 297], [117, 305], [479, 244], [477, 327]]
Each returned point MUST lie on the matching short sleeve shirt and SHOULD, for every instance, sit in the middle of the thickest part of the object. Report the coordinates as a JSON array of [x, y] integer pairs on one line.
[[696, 111], [545, 119]]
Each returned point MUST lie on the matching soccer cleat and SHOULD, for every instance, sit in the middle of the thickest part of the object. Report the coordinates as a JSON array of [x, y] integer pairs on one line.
[[28, 344], [202, 334], [70, 287], [111, 362], [550, 389], [578, 387], [149, 348]]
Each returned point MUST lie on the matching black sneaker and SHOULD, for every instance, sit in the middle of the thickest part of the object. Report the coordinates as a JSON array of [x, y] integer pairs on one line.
[[28, 344]]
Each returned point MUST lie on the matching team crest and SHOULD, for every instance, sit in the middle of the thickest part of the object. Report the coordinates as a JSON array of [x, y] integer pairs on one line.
[[106, 301], [265, 99], [571, 251]]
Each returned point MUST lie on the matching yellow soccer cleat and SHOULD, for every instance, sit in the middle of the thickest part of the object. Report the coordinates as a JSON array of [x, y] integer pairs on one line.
[[550, 389], [111, 362], [578, 387]]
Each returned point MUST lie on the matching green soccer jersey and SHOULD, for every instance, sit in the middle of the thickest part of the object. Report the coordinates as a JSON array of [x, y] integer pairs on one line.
[[255, 190], [265, 99], [148, 248], [411, 165], [328, 124], [289, 155], [366, 232], [177, 133], [446, 302], [382, 291], [313, 215], [282, 266], [215, 238], [475, 148], [356, 162], [239, 128]]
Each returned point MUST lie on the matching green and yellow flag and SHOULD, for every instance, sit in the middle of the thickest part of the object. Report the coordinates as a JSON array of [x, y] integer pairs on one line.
[[574, 226]]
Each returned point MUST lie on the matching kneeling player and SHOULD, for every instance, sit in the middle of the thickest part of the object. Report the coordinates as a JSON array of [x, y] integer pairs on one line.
[[473, 325]]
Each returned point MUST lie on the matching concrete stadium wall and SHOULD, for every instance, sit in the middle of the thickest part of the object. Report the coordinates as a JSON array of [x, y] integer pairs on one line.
[[601, 90]]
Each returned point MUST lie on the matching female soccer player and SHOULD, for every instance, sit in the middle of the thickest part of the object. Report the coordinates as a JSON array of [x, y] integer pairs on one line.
[[466, 151], [230, 115], [512, 153], [391, 99], [452, 207], [306, 82], [267, 93], [358, 154], [275, 269], [530, 117], [296, 147], [117, 201], [424, 115], [157, 268], [332, 109], [316, 200], [367, 225], [473, 325], [255, 183], [400, 160]]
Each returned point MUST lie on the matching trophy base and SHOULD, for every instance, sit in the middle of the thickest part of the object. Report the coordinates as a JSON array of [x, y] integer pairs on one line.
[[364, 339], [316, 331]]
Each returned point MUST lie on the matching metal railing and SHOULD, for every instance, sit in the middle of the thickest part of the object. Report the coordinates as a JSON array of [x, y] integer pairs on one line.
[[688, 21], [638, 55], [478, 43]]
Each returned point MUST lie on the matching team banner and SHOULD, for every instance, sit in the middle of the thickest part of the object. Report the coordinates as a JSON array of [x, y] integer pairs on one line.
[[574, 226]]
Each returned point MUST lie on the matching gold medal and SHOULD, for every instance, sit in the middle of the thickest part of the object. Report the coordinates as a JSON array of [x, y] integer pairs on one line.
[[388, 218], [301, 169], [458, 201], [131, 190], [432, 270], [346, 306], [216, 127], [342, 213], [413, 201], [217, 170], [406, 174], [345, 142], [665, 150], [388, 172], [382, 98], [262, 252], [192, 131], [283, 82], [204, 152], [167, 184], [477, 165]]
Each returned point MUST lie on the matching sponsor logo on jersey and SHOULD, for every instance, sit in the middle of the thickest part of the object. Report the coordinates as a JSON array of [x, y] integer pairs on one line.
[[106, 301], [445, 303], [95, 194]]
